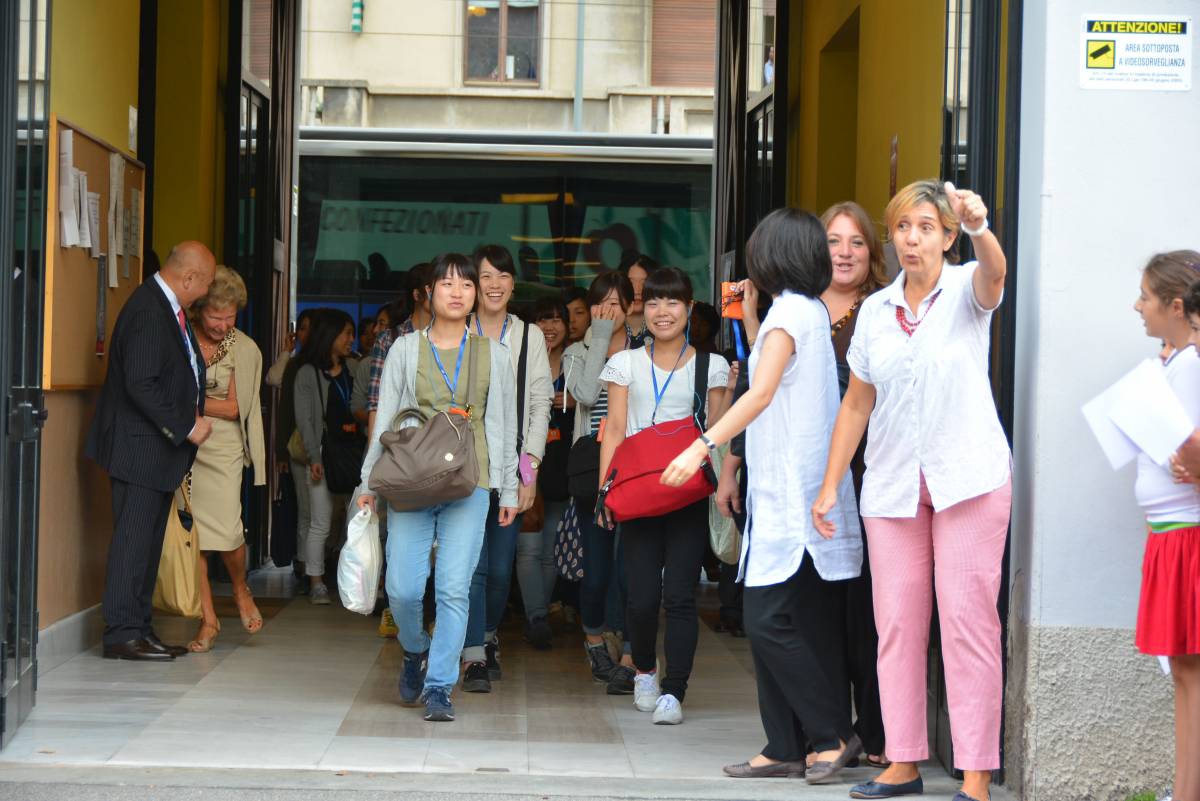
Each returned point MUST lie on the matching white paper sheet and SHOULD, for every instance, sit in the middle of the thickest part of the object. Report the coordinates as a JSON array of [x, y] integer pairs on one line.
[[68, 203], [1150, 413], [116, 194], [1119, 449], [81, 210], [135, 221], [93, 203], [125, 242]]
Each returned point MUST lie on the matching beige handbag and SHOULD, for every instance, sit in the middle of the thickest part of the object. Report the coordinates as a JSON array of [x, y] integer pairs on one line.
[[177, 589], [295, 447], [432, 462]]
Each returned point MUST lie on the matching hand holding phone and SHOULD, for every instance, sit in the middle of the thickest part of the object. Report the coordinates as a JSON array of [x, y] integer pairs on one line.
[[731, 300]]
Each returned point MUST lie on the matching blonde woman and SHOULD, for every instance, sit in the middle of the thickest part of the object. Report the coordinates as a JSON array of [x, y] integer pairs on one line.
[[233, 370]]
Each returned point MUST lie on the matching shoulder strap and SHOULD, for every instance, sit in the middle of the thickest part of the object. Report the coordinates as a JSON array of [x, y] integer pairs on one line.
[[700, 401], [522, 361], [472, 345]]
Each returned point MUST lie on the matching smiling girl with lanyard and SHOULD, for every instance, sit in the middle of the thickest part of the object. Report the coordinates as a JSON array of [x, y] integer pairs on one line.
[[663, 554], [526, 347], [430, 370]]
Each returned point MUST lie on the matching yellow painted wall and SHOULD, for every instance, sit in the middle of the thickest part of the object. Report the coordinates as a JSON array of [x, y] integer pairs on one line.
[[900, 92], [94, 65], [188, 128], [93, 82]]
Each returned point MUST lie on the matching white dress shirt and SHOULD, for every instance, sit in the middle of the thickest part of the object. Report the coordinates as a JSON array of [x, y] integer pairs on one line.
[[934, 412], [787, 447], [175, 309]]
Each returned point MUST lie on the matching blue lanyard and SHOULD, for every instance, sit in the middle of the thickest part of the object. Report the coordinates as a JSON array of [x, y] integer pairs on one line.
[[337, 381], [503, 328], [462, 346], [658, 395], [737, 340]]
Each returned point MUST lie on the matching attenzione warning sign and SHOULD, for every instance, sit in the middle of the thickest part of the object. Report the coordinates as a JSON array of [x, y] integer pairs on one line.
[[1128, 52]]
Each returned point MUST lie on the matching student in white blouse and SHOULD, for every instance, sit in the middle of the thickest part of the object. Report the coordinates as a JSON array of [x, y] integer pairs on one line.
[[794, 607], [937, 492], [663, 554]]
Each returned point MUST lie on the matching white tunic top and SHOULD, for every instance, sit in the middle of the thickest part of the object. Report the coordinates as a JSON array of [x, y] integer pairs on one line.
[[631, 368], [787, 447], [1161, 499], [934, 412]]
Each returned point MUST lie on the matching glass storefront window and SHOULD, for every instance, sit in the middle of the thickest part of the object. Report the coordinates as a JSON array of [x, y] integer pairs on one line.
[[365, 221]]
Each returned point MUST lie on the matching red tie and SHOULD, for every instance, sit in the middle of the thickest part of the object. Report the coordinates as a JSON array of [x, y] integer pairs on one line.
[[183, 324]]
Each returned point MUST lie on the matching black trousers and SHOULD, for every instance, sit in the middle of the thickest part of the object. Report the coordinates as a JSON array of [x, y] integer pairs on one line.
[[139, 522], [862, 651], [663, 556], [797, 638]]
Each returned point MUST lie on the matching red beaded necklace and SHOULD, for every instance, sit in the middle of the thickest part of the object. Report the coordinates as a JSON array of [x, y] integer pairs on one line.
[[911, 327]]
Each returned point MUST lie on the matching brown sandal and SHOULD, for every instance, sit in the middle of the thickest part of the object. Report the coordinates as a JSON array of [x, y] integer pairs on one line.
[[202, 645]]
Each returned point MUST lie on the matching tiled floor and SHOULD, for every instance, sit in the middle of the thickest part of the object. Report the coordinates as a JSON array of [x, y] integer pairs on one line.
[[315, 690]]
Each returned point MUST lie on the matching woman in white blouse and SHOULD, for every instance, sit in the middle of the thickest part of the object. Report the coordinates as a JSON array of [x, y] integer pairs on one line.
[[937, 491], [794, 607], [663, 555]]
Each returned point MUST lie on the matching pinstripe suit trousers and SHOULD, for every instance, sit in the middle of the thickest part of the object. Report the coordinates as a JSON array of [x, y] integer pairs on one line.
[[139, 522]]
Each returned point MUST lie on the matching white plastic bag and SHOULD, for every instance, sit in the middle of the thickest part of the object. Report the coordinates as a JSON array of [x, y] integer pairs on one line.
[[360, 563]]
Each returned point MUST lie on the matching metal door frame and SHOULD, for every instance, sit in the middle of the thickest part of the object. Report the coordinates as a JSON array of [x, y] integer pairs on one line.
[[21, 310]]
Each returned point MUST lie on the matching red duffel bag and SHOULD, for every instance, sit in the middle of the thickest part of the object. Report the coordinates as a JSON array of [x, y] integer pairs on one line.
[[632, 488]]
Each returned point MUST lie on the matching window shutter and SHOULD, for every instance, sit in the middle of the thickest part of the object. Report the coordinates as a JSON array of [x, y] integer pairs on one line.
[[683, 43]]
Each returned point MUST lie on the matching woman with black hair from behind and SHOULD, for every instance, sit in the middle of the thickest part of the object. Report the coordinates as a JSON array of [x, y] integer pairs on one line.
[[793, 597]]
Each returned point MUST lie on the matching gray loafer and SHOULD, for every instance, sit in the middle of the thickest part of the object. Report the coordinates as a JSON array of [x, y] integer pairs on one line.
[[823, 771], [779, 770]]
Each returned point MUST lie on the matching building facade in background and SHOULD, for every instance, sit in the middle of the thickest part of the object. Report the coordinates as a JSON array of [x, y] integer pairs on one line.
[[597, 66]]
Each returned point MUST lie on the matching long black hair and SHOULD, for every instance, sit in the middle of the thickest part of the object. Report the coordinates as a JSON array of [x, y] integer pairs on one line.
[[326, 326]]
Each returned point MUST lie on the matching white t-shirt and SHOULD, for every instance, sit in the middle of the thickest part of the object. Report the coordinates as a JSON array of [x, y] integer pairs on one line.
[[1161, 499], [631, 368], [934, 412], [787, 447]]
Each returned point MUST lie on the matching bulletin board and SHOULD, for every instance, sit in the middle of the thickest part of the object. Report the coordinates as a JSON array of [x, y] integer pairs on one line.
[[75, 355]]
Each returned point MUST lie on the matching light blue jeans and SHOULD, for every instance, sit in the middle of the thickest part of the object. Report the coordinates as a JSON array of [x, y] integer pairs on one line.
[[459, 529]]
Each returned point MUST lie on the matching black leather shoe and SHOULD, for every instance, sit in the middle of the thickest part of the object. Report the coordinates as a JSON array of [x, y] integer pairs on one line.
[[138, 650], [159, 645]]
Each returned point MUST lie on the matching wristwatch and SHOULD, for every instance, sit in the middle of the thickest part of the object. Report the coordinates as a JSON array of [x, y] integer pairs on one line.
[[535, 462], [708, 443]]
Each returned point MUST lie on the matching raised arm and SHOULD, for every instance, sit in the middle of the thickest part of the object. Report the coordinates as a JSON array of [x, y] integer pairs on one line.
[[993, 267]]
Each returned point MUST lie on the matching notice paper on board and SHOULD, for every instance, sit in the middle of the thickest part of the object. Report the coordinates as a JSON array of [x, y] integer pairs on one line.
[[81, 211], [1139, 413], [93, 205], [68, 203]]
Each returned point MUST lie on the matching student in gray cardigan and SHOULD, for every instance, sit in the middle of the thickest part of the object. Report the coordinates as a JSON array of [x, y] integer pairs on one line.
[[429, 370]]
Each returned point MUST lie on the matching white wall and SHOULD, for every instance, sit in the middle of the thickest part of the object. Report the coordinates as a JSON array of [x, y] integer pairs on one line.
[[1107, 179]]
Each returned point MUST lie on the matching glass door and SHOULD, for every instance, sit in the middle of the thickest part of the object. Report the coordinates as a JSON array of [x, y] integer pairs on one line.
[[23, 97]]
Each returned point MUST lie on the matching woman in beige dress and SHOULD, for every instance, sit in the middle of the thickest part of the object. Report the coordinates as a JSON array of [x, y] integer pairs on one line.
[[234, 371]]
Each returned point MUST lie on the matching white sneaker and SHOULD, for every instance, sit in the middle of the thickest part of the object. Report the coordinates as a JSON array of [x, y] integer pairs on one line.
[[645, 691], [319, 595], [668, 711]]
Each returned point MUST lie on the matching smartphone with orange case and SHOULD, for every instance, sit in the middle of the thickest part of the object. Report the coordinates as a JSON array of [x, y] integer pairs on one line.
[[731, 300]]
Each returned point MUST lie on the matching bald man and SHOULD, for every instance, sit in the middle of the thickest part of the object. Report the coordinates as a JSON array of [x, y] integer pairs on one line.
[[148, 424]]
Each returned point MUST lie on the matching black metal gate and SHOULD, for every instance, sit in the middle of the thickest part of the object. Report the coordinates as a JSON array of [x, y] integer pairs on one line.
[[24, 78]]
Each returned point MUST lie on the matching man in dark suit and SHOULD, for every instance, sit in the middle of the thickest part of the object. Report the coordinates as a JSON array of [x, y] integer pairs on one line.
[[148, 425]]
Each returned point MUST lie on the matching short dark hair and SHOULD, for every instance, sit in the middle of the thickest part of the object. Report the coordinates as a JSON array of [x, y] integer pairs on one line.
[[573, 293], [789, 249], [632, 258], [306, 314], [605, 283], [366, 322], [327, 325], [497, 255], [671, 283], [448, 264], [549, 308]]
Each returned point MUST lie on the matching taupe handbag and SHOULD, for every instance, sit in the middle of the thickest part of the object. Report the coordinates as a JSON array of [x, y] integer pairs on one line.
[[432, 462], [177, 588]]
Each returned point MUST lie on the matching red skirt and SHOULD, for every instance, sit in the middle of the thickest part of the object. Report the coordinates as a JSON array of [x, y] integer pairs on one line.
[[1168, 622]]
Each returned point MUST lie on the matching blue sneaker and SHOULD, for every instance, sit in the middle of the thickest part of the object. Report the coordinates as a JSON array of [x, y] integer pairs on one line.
[[412, 677], [438, 708]]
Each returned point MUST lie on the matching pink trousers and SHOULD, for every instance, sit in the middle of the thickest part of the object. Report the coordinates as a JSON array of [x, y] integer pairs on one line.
[[958, 551]]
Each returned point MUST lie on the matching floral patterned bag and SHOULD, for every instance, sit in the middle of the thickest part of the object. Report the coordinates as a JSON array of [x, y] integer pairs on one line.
[[568, 545]]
